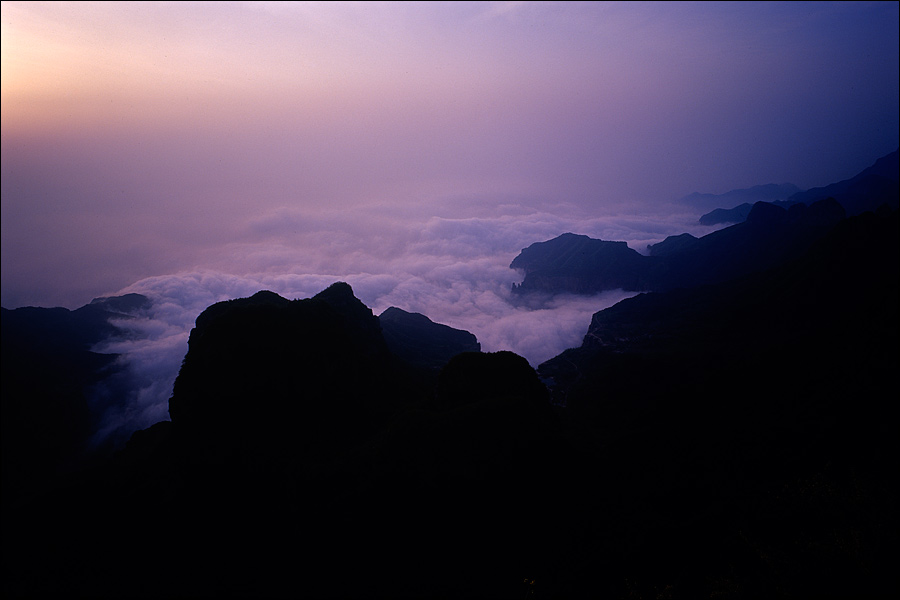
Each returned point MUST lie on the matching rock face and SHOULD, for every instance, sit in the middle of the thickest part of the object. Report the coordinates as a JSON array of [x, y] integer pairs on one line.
[[268, 372], [421, 342], [578, 264]]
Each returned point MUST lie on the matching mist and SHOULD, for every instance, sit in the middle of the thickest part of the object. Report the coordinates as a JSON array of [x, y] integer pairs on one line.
[[454, 270]]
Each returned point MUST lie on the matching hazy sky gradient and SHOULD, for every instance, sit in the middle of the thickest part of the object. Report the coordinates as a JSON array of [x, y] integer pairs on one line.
[[277, 139]]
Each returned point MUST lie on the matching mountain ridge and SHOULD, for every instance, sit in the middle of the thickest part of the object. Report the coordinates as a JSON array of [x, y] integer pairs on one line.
[[729, 433], [582, 265], [759, 193], [700, 430]]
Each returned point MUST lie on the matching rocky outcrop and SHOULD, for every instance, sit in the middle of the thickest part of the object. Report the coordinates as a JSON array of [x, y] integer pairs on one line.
[[266, 372], [420, 342], [579, 264]]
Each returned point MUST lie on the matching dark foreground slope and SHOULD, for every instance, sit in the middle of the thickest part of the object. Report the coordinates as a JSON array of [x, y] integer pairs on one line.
[[754, 424], [300, 461], [736, 441]]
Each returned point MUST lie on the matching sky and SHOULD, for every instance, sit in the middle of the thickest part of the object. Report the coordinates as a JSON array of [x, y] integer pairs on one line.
[[200, 151], [148, 138]]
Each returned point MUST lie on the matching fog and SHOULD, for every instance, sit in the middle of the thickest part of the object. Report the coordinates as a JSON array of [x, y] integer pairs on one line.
[[453, 270]]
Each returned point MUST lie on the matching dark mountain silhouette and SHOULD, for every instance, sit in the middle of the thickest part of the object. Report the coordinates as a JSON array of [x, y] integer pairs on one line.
[[727, 215], [759, 193], [730, 434], [48, 369], [769, 236], [421, 342], [874, 186], [868, 190], [316, 371], [673, 245], [581, 265], [759, 415], [734, 439], [297, 461]]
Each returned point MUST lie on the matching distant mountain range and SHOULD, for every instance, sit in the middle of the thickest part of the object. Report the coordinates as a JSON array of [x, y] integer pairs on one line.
[[867, 191], [729, 433], [770, 233], [760, 193], [582, 265], [871, 188]]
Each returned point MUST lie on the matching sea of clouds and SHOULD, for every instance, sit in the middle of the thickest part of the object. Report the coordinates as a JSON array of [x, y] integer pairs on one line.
[[453, 269]]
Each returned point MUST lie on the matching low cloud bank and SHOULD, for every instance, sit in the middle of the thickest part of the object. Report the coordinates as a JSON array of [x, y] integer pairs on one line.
[[455, 270]]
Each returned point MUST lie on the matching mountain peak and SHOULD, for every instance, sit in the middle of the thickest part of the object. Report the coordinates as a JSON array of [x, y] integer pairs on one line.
[[420, 341], [337, 290], [770, 192]]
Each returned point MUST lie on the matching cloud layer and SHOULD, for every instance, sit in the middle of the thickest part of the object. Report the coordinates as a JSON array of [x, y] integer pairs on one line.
[[453, 270]]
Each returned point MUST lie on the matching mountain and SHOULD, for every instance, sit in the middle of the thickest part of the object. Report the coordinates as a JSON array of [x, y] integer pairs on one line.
[[772, 224], [297, 460], [760, 193], [729, 439], [581, 265], [316, 371], [48, 369], [727, 215], [871, 188], [730, 433], [421, 342], [758, 415]]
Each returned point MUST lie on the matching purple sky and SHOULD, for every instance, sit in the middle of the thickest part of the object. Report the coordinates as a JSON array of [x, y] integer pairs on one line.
[[389, 144]]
